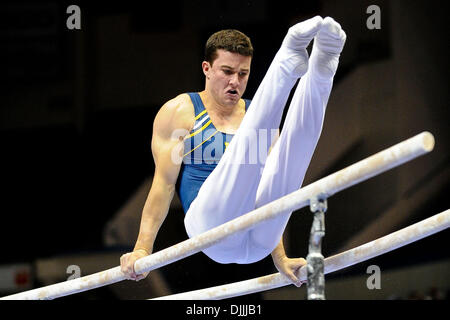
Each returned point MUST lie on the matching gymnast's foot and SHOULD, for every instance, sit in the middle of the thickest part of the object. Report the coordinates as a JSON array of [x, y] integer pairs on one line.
[[293, 54], [327, 48]]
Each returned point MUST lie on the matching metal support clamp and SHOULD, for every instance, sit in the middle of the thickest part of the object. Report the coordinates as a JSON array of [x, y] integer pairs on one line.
[[315, 259]]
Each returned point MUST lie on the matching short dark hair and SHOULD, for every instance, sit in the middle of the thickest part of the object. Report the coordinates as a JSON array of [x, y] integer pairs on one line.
[[230, 40]]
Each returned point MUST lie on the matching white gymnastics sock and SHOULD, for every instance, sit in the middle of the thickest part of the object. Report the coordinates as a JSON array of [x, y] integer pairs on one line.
[[327, 48]]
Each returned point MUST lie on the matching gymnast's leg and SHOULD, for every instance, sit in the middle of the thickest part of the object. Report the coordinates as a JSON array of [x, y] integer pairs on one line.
[[230, 190], [289, 159]]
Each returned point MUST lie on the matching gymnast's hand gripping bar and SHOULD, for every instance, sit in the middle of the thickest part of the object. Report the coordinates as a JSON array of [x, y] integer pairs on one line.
[[338, 181]]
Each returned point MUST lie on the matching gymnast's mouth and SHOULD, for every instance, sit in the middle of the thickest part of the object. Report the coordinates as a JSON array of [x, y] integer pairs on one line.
[[232, 92]]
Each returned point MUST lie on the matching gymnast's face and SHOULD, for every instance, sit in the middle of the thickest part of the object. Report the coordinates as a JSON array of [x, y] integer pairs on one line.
[[226, 78]]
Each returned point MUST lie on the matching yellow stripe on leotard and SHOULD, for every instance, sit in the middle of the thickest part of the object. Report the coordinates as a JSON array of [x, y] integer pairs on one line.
[[200, 144], [199, 130], [200, 114]]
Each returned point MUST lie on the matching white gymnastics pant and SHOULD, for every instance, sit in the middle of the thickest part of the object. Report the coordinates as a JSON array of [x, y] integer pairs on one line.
[[237, 186]]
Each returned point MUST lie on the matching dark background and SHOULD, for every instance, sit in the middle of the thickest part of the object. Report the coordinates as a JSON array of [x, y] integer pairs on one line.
[[77, 107]]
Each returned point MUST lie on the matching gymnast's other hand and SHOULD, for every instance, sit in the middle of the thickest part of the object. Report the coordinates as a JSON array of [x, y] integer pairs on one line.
[[127, 264], [290, 267]]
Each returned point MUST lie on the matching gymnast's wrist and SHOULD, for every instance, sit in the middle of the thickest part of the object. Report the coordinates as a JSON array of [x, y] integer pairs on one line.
[[147, 252], [278, 255]]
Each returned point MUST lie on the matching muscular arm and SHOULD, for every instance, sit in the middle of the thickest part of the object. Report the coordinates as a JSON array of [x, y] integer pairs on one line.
[[164, 147], [172, 123]]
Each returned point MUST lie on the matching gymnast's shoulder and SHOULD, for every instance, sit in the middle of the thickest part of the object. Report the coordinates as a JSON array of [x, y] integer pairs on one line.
[[177, 113]]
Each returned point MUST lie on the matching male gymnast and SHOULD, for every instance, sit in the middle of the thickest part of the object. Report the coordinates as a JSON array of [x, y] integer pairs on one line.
[[203, 143]]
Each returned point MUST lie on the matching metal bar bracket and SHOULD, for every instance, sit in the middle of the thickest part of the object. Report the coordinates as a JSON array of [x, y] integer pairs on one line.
[[315, 260]]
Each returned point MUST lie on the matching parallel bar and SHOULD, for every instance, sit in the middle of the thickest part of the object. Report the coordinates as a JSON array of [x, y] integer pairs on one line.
[[345, 178], [337, 262]]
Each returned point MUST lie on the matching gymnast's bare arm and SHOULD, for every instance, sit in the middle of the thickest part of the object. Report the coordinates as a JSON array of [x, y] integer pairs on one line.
[[287, 266], [172, 123]]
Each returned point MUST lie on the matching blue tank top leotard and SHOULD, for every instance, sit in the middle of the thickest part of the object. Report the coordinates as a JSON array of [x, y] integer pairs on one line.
[[203, 148]]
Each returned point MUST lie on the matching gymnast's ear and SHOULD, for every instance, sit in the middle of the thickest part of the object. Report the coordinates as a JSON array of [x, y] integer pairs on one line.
[[206, 67]]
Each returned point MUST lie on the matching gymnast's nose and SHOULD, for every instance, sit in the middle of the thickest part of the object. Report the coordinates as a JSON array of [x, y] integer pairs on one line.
[[234, 80]]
